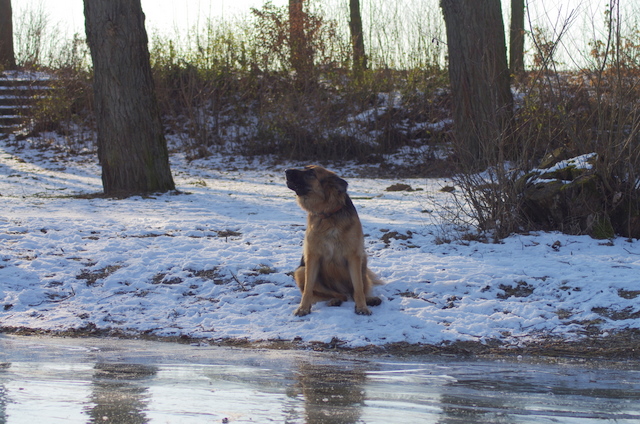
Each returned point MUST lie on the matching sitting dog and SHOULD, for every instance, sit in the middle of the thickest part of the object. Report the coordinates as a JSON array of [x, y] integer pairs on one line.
[[334, 262]]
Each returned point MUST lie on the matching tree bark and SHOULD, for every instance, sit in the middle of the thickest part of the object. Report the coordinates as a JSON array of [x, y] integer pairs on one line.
[[301, 56], [516, 37], [357, 37], [479, 76], [131, 146], [7, 54]]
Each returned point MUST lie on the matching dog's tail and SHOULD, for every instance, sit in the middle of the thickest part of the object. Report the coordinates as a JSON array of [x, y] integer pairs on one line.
[[374, 279]]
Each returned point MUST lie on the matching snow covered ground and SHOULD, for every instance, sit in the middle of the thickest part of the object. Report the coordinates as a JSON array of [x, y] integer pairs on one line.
[[215, 261]]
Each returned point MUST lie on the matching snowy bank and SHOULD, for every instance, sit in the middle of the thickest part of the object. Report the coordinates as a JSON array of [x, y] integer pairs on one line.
[[215, 262]]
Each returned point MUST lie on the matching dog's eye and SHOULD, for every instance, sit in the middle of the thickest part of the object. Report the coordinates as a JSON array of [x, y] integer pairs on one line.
[[309, 175]]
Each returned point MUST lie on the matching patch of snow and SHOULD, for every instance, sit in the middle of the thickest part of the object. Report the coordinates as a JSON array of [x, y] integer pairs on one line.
[[579, 162], [435, 126], [216, 261]]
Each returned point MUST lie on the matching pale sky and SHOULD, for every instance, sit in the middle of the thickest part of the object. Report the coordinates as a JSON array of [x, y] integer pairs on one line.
[[160, 14], [178, 16], [182, 14]]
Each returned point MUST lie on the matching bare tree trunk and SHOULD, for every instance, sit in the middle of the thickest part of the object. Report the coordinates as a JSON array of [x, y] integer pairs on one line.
[[7, 55], [516, 37], [301, 57], [480, 82], [357, 38], [131, 146]]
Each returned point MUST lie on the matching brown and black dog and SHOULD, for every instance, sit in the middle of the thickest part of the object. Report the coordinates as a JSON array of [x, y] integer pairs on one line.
[[334, 262]]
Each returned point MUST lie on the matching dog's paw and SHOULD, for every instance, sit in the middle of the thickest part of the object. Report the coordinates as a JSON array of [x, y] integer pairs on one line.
[[363, 310], [374, 301], [301, 311], [334, 302]]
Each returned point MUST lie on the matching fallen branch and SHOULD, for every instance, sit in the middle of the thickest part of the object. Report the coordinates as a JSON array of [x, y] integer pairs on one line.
[[73, 293]]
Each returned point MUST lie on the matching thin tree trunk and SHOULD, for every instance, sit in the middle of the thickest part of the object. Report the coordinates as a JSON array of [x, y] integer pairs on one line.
[[357, 38], [131, 146], [301, 60], [479, 76], [516, 37], [7, 55]]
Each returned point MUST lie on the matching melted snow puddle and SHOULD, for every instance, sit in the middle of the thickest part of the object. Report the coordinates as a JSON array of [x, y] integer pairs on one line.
[[52, 380]]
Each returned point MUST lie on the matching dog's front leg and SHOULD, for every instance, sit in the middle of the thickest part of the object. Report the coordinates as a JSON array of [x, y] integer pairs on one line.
[[312, 267], [356, 273]]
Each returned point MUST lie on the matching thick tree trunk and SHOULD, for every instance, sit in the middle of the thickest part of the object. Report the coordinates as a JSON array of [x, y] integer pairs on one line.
[[516, 37], [7, 55], [131, 146], [357, 38], [480, 82]]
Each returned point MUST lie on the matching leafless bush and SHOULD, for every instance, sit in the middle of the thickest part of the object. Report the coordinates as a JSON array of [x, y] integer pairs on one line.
[[232, 84], [591, 110], [37, 39], [65, 106]]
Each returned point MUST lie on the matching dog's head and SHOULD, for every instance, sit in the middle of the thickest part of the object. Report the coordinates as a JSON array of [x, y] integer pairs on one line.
[[318, 189]]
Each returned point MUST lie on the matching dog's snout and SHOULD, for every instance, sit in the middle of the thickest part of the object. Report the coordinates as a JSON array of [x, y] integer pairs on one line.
[[295, 181], [294, 175], [293, 172]]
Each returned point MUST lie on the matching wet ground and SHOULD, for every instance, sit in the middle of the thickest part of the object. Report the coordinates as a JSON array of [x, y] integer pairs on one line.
[[55, 380]]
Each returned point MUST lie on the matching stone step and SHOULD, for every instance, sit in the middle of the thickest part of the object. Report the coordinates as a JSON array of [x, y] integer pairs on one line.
[[25, 98], [19, 91]]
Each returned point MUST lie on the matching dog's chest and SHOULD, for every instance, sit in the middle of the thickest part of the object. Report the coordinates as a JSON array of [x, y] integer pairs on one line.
[[326, 240], [319, 234]]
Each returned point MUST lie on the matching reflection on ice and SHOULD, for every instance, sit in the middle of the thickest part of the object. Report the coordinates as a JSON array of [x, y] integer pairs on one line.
[[331, 393], [114, 381], [119, 392]]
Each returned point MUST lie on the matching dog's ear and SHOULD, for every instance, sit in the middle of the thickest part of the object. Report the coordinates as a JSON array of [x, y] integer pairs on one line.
[[338, 183]]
